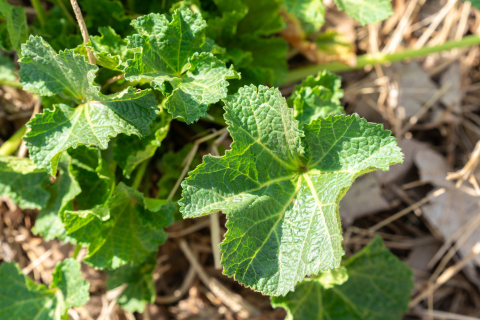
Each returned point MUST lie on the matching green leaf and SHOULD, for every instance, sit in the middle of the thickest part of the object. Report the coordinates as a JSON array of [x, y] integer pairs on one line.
[[130, 234], [263, 18], [91, 124], [49, 224], [22, 298], [46, 73], [110, 49], [95, 178], [21, 181], [68, 279], [378, 288], [171, 51], [316, 98], [140, 288], [16, 24], [310, 13], [130, 151], [280, 188], [366, 11]]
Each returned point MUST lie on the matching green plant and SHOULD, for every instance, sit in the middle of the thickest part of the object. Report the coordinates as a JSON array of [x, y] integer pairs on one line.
[[280, 185]]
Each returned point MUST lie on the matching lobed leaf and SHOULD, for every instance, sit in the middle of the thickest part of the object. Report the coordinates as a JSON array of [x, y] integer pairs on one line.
[[22, 298], [132, 231], [310, 13], [21, 181], [110, 49], [378, 288], [172, 51], [281, 187], [16, 24]]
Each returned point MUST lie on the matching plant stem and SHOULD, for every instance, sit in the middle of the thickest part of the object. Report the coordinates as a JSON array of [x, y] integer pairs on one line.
[[77, 251], [9, 146], [379, 58], [140, 173], [13, 84], [41, 15], [83, 29]]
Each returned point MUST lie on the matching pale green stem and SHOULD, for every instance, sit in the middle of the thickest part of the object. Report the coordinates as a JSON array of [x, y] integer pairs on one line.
[[379, 59], [140, 173], [41, 15], [12, 144]]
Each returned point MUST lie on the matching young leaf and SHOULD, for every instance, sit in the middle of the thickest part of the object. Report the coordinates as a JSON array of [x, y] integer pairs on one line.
[[94, 122], [49, 224], [21, 181], [310, 13], [16, 24], [131, 232], [22, 298], [378, 288], [280, 188], [110, 49], [317, 98], [366, 11], [172, 51], [130, 151], [140, 288]]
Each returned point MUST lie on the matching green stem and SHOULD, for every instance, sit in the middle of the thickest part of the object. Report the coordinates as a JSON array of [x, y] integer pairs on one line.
[[13, 84], [77, 251], [41, 15], [379, 58], [9, 146], [140, 173]]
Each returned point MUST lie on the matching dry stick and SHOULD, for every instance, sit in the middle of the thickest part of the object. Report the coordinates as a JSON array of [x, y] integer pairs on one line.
[[83, 29], [413, 120], [232, 300], [39, 260], [407, 210], [436, 22], [214, 223], [470, 227], [180, 292], [444, 315], [189, 158], [466, 172], [401, 29], [446, 275], [182, 233]]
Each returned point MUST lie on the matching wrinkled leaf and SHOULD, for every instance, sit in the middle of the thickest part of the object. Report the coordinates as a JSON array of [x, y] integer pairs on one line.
[[280, 188], [67, 277], [110, 49], [310, 13], [378, 288], [129, 234], [16, 24]]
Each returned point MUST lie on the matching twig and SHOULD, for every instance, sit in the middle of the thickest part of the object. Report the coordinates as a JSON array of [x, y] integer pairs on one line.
[[233, 301], [180, 292], [401, 29], [443, 315], [83, 29], [182, 233], [466, 173], [407, 210], [189, 158], [446, 275], [39, 260]]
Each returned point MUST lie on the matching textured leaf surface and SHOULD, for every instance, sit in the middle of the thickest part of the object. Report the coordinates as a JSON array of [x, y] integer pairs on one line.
[[95, 178], [130, 151], [378, 288], [90, 124], [21, 181], [68, 279], [22, 298], [110, 49], [130, 234], [366, 11], [280, 188], [16, 24], [316, 98], [170, 51], [310, 13], [49, 224], [140, 288]]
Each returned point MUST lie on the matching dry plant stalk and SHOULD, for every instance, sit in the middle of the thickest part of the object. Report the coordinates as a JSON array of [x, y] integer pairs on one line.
[[83, 29], [466, 173]]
